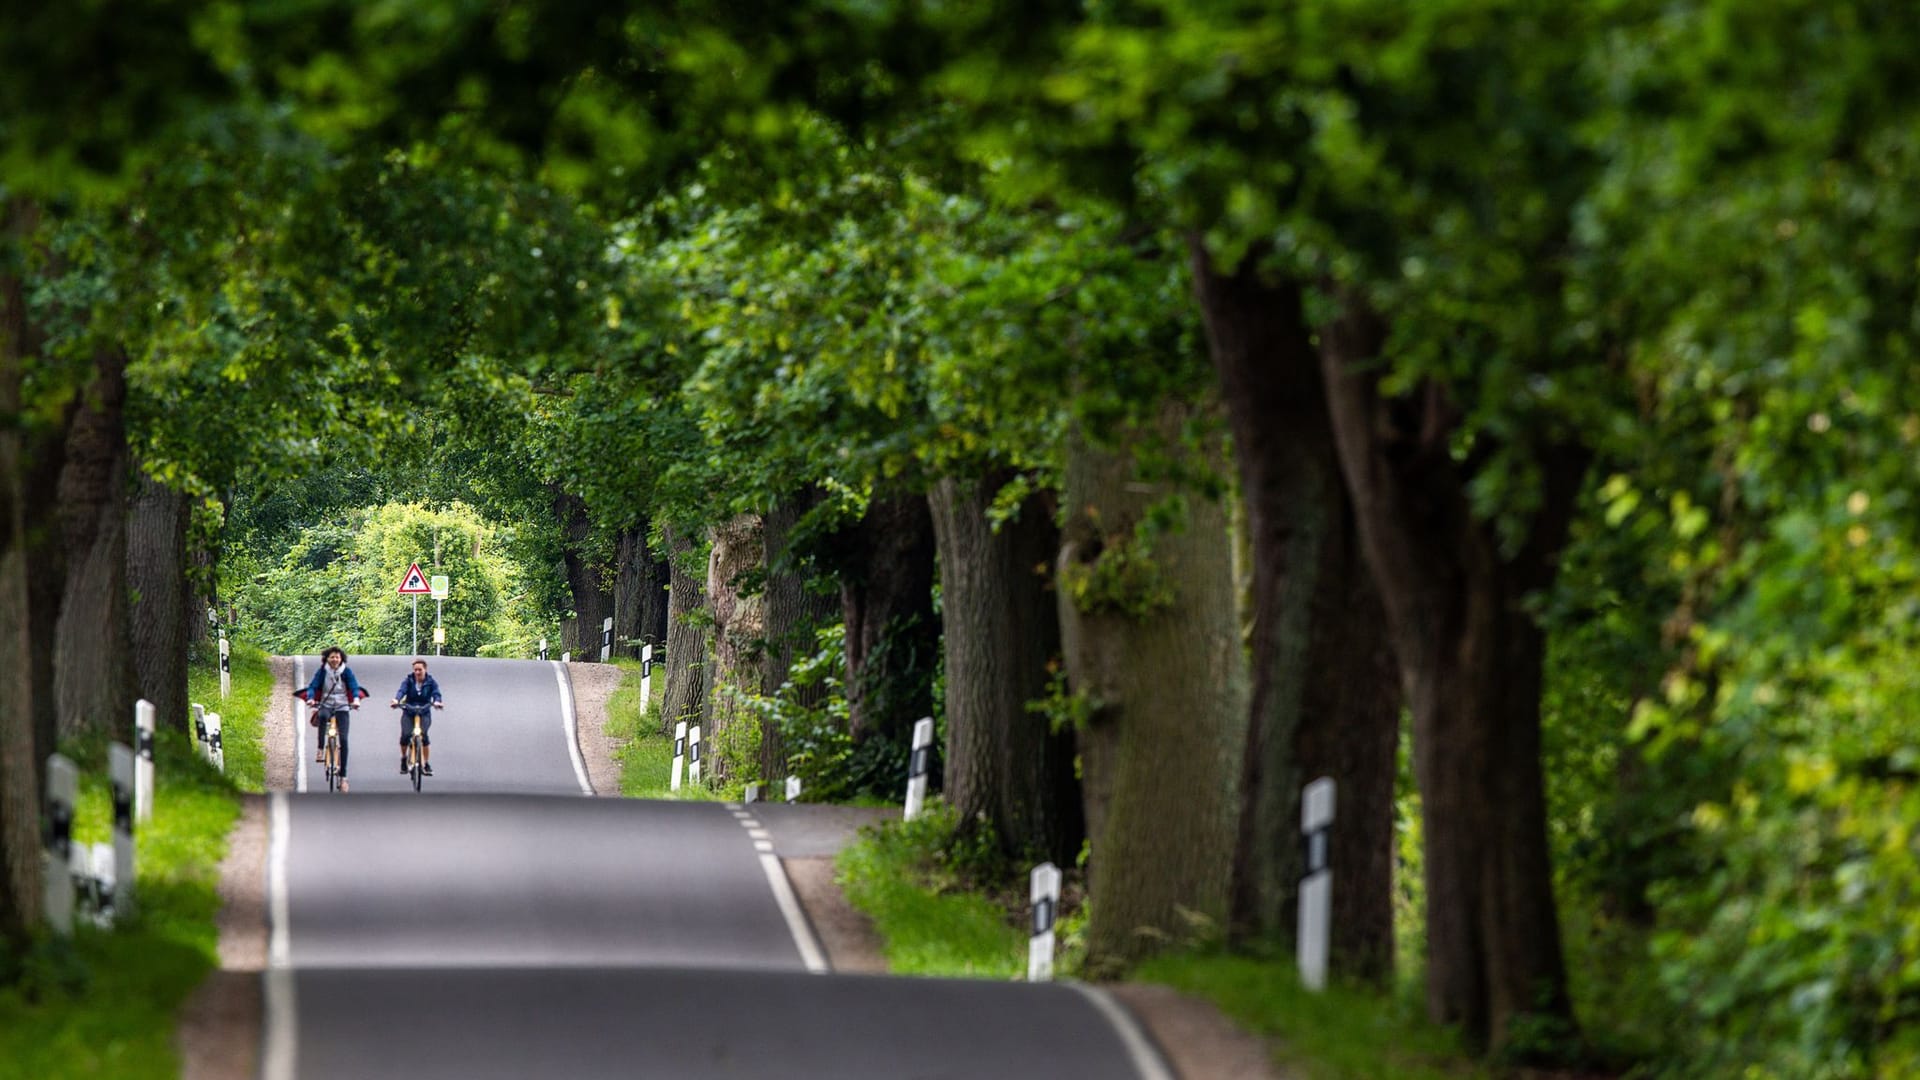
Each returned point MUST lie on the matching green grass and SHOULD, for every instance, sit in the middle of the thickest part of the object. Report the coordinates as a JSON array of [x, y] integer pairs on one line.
[[646, 759], [1342, 1033], [104, 1002], [894, 874], [242, 727]]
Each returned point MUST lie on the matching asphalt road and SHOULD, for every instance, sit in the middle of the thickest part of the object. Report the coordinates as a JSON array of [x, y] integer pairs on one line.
[[497, 924]]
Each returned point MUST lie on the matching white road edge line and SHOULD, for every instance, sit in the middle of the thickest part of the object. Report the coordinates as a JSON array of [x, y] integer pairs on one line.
[[299, 744], [282, 1035], [573, 727], [1146, 1058], [810, 953]]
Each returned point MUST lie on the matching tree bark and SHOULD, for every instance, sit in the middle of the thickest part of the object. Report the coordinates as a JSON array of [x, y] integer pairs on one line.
[[21, 751], [893, 633], [795, 613], [687, 625], [1471, 658], [161, 618], [629, 584], [1325, 697], [1001, 634], [1167, 708], [592, 604], [739, 631], [93, 669]]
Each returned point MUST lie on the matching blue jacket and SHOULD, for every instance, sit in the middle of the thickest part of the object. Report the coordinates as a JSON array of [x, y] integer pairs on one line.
[[354, 693], [417, 699]]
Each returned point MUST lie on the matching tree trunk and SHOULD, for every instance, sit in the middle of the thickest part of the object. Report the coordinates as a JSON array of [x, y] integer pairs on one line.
[[1162, 672], [795, 613], [93, 668], [161, 618], [1325, 697], [687, 623], [1471, 658], [893, 633], [739, 630], [591, 601], [21, 751], [629, 584], [1002, 638]]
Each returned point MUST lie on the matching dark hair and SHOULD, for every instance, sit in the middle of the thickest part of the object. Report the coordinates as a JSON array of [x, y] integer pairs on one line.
[[330, 650], [418, 660]]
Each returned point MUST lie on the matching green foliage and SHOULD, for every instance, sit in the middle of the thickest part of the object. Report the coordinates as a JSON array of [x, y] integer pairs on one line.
[[1120, 577], [904, 877], [335, 585]]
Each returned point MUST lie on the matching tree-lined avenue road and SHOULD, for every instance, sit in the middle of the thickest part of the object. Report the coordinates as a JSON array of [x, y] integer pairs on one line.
[[500, 925]]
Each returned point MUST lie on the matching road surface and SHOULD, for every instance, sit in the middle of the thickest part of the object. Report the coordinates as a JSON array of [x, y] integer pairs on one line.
[[499, 924]]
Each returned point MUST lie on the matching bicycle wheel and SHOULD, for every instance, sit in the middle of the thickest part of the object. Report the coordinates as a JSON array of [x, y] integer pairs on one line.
[[333, 756], [416, 755]]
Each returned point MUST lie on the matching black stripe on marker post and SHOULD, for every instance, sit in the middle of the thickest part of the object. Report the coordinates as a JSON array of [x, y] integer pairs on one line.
[[1042, 916], [920, 762]]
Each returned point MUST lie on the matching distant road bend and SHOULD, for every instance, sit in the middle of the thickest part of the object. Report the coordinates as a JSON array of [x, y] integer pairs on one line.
[[500, 925]]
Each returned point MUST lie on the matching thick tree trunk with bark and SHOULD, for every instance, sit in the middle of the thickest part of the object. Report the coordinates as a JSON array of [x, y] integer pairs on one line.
[[93, 666], [1160, 752], [592, 603], [1001, 633], [739, 631], [629, 585], [20, 747], [795, 613], [1471, 658], [687, 635], [1325, 691], [893, 633], [161, 618]]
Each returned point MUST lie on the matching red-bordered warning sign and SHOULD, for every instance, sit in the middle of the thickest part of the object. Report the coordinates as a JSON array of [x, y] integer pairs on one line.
[[415, 583]]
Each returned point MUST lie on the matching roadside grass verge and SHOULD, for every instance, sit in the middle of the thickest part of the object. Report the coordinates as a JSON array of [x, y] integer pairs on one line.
[[1342, 1033], [901, 875], [645, 754], [104, 1002], [242, 716]]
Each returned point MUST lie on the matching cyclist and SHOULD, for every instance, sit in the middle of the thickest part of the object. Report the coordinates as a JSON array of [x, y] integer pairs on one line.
[[332, 693], [418, 696]]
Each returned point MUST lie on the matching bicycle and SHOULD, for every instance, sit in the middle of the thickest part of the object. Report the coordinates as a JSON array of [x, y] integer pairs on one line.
[[416, 752], [332, 751]]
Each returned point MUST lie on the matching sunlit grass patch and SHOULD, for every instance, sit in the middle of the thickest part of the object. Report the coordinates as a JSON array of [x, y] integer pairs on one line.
[[242, 716], [645, 753], [928, 926]]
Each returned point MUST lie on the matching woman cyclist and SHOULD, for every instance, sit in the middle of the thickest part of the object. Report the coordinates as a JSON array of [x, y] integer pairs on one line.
[[418, 696], [331, 694]]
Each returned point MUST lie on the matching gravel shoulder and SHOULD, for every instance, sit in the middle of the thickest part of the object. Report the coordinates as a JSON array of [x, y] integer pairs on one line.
[[593, 685]]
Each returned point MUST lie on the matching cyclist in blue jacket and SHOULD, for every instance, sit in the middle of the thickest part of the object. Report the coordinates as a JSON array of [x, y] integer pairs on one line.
[[418, 696], [332, 692]]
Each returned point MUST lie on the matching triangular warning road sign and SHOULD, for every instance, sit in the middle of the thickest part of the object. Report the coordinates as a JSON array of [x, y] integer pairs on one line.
[[416, 582]]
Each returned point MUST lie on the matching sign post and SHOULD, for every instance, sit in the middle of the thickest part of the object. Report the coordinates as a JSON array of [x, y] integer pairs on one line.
[[143, 760], [63, 786], [440, 587], [1045, 894], [646, 677], [1316, 883], [414, 585], [917, 766]]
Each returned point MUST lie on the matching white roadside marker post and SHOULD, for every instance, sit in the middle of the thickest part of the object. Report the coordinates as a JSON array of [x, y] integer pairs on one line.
[[1316, 883], [200, 730], [1045, 894], [679, 754], [102, 886], [793, 789], [226, 666], [215, 753], [143, 760], [63, 785], [543, 648], [567, 657], [606, 639], [121, 770], [917, 766], [693, 754], [646, 677], [753, 794]]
